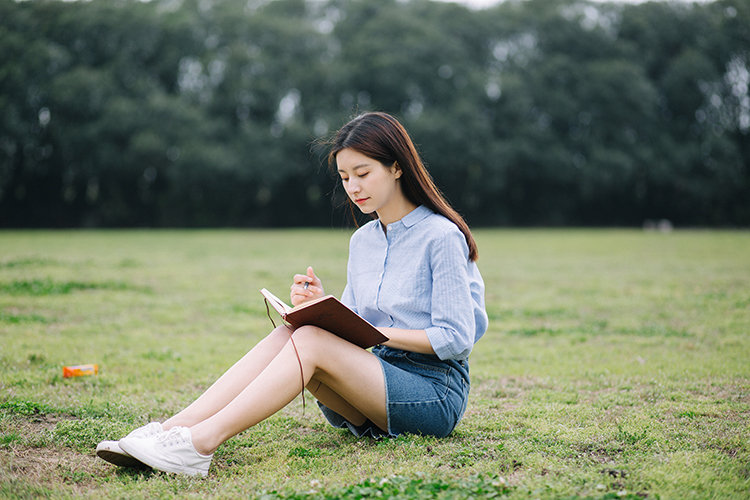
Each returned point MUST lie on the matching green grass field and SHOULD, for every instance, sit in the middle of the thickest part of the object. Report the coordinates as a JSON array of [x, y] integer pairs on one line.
[[617, 365]]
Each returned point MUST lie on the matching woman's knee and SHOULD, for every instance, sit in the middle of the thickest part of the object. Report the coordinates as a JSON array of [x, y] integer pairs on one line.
[[279, 336], [280, 333], [309, 331], [311, 337]]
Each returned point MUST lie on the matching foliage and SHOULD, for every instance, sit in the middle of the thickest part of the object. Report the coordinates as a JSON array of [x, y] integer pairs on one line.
[[615, 366], [210, 113]]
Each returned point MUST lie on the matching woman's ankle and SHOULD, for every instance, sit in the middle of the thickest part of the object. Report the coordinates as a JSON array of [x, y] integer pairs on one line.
[[175, 421], [204, 443]]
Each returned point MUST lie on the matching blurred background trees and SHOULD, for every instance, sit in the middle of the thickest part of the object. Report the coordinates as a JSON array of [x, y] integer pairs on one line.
[[210, 112]]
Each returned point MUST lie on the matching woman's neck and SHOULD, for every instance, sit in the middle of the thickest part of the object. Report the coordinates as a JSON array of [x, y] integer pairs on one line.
[[395, 212]]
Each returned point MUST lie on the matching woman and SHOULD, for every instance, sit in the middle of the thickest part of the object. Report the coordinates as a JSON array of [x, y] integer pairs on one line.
[[411, 273]]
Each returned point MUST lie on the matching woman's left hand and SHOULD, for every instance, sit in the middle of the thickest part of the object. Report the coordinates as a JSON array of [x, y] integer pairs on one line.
[[301, 293]]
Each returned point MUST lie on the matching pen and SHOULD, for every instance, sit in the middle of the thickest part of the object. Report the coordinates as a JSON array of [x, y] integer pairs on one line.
[[307, 283]]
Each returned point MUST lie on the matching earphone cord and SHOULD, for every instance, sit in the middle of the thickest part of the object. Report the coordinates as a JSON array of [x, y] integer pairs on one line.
[[291, 331]]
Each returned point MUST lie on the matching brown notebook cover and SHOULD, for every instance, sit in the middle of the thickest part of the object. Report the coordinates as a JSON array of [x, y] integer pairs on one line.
[[329, 314]]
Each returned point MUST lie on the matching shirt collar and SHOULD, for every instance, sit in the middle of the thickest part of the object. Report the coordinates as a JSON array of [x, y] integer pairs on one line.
[[407, 221], [416, 215]]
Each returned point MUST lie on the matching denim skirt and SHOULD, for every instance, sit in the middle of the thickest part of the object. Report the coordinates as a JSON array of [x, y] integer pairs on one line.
[[424, 395]]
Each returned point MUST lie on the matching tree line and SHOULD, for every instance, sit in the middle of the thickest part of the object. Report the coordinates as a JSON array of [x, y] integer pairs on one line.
[[187, 113]]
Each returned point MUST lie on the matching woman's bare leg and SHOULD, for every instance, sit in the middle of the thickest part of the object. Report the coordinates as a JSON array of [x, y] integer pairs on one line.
[[233, 381], [347, 370], [335, 402]]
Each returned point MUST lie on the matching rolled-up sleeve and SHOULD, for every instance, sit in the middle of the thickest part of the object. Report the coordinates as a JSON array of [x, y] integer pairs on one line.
[[453, 331]]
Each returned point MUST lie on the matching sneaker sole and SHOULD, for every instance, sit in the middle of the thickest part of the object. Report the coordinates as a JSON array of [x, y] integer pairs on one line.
[[166, 467], [120, 460]]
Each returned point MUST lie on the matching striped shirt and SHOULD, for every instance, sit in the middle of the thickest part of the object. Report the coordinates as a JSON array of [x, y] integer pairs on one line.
[[418, 276]]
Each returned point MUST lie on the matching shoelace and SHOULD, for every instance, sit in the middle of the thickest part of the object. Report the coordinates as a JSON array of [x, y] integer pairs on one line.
[[172, 437], [151, 429]]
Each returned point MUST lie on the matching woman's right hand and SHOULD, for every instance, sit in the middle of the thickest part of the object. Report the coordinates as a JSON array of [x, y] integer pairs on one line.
[[300, 294]]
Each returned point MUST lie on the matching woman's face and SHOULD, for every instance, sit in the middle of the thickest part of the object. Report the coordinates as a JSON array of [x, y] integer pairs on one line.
[[372, 186]]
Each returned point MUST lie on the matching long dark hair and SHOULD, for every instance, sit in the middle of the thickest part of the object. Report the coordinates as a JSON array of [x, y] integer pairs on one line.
[[381, 137]]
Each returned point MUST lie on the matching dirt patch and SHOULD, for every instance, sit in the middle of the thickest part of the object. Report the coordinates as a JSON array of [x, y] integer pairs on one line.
[[49, 468], [34, 425], [47, 423], [35, 463]]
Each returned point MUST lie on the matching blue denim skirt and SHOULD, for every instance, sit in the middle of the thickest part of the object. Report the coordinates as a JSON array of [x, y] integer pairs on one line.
[[424, 395]]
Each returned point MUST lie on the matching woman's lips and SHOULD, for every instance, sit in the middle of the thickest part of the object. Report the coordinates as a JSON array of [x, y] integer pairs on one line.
[[359, 201]]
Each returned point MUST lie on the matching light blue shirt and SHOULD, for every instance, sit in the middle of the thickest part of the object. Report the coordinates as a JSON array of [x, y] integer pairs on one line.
[[418, 276]]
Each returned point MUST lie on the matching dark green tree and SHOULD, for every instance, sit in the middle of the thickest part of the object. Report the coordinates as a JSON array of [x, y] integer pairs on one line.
[[214, 113]]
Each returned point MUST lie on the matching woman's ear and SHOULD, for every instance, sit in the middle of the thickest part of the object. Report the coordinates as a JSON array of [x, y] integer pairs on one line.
[[398, 172]]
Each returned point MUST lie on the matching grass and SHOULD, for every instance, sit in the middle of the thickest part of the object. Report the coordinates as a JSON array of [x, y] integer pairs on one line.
[[616, 366]]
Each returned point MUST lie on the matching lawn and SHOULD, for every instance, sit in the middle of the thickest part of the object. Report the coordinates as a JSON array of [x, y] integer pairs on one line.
[[616, 365]]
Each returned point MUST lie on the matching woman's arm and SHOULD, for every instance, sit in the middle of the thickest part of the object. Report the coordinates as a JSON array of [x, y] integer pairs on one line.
[[453, 329], [408, 340]]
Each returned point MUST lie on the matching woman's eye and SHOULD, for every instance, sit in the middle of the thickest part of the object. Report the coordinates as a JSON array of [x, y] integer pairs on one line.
[[344, 180], [363, 175]]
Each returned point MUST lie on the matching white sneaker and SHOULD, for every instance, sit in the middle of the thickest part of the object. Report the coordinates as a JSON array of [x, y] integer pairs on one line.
[[172, 451], [112, 453], [149, 430]]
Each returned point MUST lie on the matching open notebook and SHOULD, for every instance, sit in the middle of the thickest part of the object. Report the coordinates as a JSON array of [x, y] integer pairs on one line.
[[329, 314]]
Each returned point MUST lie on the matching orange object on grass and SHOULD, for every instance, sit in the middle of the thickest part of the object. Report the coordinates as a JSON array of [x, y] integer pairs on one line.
[[80, 370]]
